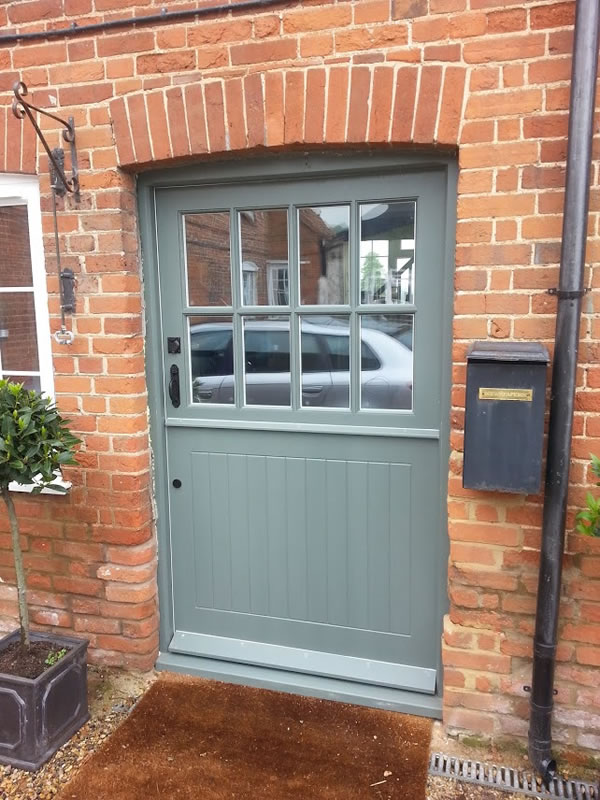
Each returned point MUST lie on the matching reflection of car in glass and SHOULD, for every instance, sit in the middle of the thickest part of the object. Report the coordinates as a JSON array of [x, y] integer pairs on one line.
[[386, 365]]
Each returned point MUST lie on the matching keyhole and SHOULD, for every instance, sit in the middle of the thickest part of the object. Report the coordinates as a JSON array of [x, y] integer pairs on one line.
[[177, 483]]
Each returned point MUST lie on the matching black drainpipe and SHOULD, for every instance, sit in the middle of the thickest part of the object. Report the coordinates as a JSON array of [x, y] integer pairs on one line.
[[570, 292]]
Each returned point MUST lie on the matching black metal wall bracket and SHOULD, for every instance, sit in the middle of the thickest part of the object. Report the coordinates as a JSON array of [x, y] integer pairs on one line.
[[574, 295], [60, 183]]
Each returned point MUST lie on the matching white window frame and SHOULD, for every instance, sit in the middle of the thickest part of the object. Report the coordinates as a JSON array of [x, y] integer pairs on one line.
[[273, 270], [24, 190]]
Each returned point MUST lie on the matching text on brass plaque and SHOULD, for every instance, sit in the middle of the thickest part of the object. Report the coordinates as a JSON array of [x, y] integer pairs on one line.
[[523, 395]]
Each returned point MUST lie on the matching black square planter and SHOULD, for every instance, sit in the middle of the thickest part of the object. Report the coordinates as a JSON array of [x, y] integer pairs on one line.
[[38, 716]]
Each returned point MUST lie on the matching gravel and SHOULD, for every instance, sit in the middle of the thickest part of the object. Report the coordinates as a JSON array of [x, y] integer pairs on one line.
[[111, 696]]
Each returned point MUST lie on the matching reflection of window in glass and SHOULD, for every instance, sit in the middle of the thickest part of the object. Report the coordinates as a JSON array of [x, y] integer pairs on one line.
[[278, 284], [323, 237], [387, 361], [211, 353], [25, 355], [264, 243], [208, 260], [249, 270], [387, 252], [267, 361]]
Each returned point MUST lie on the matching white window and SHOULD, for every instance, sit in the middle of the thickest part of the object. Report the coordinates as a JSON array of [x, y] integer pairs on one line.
[[249, 295], [25, 352], [278, 290]]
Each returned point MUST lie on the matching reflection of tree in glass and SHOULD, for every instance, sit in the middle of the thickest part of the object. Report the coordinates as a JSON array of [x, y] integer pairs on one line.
[[371, 280]]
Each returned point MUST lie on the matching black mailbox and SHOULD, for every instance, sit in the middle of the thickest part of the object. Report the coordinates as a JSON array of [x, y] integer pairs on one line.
[[504, 419]]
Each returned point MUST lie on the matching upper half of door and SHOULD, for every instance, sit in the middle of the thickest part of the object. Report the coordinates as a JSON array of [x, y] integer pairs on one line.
[[305, 302]]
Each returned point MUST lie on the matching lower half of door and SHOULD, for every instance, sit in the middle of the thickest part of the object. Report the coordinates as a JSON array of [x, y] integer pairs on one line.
[[308, 552]]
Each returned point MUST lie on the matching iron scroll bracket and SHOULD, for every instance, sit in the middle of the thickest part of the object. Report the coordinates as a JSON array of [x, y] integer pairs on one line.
[[61, 184]]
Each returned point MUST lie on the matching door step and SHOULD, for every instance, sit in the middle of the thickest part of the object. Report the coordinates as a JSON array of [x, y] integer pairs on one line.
[[509, 779]]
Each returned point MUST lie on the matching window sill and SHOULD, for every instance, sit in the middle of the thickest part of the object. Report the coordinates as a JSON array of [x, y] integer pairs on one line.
[[27, 488]]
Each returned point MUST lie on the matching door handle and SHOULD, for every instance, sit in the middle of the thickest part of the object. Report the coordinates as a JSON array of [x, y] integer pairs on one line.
[[312, 389], [174, 386]]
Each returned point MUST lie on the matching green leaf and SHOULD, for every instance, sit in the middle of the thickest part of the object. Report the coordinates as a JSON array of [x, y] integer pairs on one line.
[[34, 438]]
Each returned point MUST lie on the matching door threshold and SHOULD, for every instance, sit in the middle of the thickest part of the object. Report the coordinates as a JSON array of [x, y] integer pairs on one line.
[[422, 705]]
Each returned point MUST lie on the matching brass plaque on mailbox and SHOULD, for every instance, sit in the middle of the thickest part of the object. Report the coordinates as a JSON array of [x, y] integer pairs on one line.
[[523, 395]]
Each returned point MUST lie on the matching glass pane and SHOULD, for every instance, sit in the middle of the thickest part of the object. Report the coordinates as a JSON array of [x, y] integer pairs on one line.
[[28, 381], [208, 258], [387, 361], [211, 351], [264, 237], [18, 337], [267, 361], [323, 233], [15, 265], [387, 252], [325, 361]]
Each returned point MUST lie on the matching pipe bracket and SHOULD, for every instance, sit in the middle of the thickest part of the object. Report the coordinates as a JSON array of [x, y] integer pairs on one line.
[[562, 295]]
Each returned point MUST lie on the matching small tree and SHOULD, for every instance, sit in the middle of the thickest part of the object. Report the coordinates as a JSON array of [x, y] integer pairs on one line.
[[371, 279], [34, 443]]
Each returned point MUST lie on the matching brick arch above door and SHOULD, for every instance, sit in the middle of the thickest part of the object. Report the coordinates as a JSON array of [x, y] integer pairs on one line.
[[332, 105]]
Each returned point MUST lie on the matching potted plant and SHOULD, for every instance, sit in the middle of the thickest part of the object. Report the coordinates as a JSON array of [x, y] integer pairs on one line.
[[43, 677]]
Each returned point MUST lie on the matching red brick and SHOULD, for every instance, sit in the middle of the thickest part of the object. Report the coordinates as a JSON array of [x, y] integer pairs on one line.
[[316, 19], [166, 62], [409, 9], [127, 645], [427, 104], [138, 120], [96, 625], [451, 105], [126, 573], [358, 112], [404, 104], [337, 105], [553, 16], [130, 593], [255, 110], [315, 108], [159, 130], [215, 116], [195, 118], [262, 52], [234, 110], [295, 98], [504, 48], [34, 11], [176, 117], [498, 104]]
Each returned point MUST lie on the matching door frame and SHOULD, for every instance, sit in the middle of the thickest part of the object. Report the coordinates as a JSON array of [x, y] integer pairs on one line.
[[311, 165]]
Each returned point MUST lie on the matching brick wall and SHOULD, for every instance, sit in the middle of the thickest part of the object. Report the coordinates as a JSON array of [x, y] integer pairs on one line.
[[489, 81]]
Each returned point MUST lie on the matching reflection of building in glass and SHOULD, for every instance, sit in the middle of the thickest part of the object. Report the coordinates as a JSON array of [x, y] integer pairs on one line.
[[18, 336], [208, 256], [324, 255], [387, 252], [264, 257]]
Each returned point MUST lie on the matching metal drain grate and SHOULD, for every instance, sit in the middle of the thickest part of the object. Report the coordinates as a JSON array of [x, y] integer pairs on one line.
[[508, 779]]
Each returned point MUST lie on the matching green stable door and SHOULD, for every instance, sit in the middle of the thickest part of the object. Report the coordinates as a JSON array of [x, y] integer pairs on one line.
[[302, 347]]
